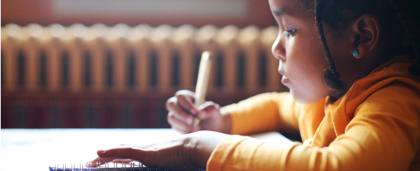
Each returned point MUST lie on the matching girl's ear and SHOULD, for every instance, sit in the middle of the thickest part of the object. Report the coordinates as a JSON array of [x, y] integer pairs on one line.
[[366, 31]]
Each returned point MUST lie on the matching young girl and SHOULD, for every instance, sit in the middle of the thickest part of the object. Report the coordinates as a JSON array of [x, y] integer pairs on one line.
[[352, 67]]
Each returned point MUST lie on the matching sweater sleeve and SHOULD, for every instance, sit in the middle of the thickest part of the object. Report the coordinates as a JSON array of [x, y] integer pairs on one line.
[[381, 136], [264, 112], [355, 150]]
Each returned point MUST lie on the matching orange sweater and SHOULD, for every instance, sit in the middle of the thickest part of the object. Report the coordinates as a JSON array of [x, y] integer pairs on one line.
[[374, 126]]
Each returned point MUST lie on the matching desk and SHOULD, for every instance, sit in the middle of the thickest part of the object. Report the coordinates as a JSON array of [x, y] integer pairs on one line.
[[36, 149]]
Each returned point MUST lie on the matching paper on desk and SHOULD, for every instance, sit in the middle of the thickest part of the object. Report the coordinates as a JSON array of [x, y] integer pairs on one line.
[[38, 149]]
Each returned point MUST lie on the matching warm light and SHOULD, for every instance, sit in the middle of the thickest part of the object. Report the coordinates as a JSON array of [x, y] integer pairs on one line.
[[206, 33], [13, 30], [57, 30], [35, 30], [79, 30]]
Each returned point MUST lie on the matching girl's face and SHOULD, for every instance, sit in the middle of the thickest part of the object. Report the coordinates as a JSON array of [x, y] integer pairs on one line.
[[299, 51]]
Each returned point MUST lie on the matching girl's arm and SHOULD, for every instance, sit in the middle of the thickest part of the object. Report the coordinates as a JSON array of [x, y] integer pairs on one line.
[[189, 152], [264, 112]]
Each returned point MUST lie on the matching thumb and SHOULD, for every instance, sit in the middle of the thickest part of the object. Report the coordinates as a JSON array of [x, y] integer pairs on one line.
[[208, 109]]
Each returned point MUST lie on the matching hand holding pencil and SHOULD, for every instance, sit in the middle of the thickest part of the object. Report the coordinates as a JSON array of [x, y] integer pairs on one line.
[[190, 112]]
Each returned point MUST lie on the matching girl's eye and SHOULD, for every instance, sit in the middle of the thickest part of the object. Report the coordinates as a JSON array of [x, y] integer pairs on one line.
[[290, 32]]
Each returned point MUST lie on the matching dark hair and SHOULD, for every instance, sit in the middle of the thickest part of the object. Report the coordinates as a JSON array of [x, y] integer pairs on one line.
[[398, 20]]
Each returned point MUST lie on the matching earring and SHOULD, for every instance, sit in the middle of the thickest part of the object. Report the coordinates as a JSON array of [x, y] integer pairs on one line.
[[355, 52]]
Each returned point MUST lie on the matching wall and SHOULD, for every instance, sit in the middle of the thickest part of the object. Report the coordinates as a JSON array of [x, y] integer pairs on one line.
[[153, 12]]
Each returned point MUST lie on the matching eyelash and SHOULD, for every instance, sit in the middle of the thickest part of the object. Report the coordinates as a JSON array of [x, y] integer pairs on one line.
[[291, 32]]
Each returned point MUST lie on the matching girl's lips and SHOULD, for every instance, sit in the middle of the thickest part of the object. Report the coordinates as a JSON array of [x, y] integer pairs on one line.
[[284, 79]]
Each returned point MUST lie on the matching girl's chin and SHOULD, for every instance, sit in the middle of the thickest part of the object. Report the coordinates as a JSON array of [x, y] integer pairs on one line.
[[285, 80]]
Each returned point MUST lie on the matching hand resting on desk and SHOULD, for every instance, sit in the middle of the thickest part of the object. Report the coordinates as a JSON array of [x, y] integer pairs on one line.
[[189, 152], [182, 110]]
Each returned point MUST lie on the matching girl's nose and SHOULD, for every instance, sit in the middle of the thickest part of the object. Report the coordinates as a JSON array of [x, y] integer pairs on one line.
[[278, 49]]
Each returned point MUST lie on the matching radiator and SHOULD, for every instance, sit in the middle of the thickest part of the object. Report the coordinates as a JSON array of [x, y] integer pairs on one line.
[[140, 61]]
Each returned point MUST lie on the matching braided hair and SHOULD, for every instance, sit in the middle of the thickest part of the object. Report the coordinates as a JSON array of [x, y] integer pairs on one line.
[[397, 17]]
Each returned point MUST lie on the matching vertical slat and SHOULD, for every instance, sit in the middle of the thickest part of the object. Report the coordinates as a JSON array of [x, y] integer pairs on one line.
[[76, 66], [248, 38], [31, 49], [76, 50], [32, 45], [140, 46], [268, 36], [10, 52], [98, 63], [252, 68], [205, 39], [54, 54], [96, 45], [116, 40], [142, 68], [225, 38], [164, 50], [183, 40], [120, 71], [230, 69], [10, 47], [32, 63], [164, 67], [186, 67]]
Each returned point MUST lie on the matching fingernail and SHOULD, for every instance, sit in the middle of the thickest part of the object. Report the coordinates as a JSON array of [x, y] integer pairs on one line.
[[190, 120], [201, 114], [193, 111], [100, 152]]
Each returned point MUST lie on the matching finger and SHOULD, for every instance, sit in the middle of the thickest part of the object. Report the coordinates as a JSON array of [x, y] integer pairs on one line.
[[186, 103], [122, 153], [180, 126], [178, 112], [138, 154], [122, 160], [99, 161], [186, 93], [207, 109]]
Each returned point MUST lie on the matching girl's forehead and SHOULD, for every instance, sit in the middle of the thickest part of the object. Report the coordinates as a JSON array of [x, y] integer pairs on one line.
[[294, 8], [288, 7]]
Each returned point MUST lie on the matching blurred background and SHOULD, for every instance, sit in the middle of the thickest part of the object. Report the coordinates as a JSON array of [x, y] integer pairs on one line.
[[114, 63]]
